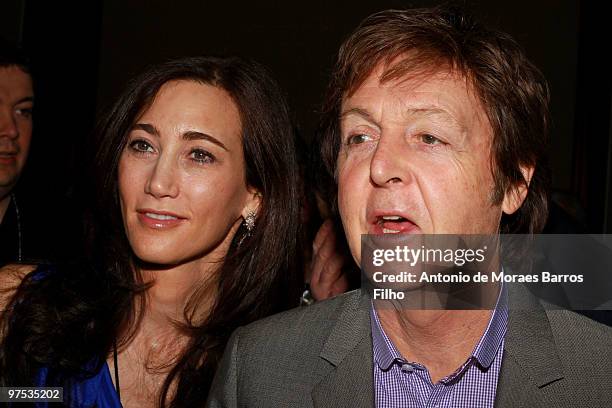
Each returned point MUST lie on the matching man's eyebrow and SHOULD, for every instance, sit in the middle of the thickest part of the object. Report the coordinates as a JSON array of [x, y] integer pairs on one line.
[[195, 135], [436, 112], [359, 112], [25, 99], [427, 111]]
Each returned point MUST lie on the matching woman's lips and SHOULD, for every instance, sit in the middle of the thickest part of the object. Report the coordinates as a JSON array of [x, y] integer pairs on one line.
[[159, 220]]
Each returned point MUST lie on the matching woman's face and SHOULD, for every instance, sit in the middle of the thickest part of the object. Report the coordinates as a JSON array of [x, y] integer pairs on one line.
[[182, 176]]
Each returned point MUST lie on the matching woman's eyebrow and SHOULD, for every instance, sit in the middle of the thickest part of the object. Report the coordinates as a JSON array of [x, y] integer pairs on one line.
[[189, 135], [147, 127], [195, 135]]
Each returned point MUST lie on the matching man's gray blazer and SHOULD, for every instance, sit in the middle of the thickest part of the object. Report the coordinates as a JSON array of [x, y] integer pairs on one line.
[[321, 356]]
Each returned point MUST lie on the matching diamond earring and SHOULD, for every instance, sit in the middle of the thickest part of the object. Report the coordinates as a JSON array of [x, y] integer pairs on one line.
[[249, 220]]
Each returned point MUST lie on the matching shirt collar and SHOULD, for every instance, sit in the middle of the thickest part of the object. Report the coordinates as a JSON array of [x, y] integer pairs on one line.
[[384, 350], [493, 337], [385, 353]]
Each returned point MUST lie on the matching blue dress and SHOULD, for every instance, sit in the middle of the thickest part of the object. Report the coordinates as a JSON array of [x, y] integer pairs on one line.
[[98, 391]]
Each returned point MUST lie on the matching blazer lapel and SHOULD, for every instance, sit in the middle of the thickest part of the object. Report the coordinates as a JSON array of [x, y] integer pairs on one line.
[[530, 360], [350, 383]]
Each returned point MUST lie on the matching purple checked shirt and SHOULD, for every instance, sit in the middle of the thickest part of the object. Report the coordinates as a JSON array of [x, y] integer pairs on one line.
[[399, 383]]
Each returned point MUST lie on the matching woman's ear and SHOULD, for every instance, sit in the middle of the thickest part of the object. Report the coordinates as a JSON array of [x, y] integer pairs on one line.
[[516, 194], [253, 202]]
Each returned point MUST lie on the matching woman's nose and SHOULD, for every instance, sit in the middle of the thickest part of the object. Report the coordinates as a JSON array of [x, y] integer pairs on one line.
[[163, 179]]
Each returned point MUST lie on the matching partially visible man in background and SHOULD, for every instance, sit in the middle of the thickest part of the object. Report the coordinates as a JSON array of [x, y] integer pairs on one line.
[[16, 104]]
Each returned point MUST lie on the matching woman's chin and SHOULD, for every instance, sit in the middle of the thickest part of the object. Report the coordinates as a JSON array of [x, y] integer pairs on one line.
[[159, 258]]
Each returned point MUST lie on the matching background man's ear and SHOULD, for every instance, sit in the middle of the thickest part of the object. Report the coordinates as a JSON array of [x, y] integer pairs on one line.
[[515, 194]]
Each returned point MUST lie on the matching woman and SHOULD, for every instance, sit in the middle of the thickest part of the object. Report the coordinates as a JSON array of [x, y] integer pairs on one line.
[[196, 220]]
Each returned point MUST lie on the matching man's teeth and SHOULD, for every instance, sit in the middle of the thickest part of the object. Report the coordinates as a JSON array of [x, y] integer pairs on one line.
[[392, 217], [385, 220], [160, 217]]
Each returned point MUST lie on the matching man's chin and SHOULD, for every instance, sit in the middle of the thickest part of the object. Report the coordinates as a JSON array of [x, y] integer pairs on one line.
[[7, 181], [6, 186]]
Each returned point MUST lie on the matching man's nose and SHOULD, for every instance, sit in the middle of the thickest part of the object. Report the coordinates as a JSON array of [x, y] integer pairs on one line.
[[388, 165], [8, 125], [162, 180]]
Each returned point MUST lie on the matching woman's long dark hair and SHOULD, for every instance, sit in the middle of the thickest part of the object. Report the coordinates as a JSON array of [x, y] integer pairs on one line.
[[69, 322]]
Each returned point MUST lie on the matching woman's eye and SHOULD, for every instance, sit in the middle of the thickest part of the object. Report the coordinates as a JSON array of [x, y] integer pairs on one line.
[[141, 146], [202, 156], [358, 139]]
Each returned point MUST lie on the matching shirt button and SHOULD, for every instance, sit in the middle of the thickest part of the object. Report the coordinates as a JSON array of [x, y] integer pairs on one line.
[[407, 368]]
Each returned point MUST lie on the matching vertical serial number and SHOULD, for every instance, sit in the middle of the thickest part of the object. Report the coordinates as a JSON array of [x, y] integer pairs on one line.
[[31, 394]]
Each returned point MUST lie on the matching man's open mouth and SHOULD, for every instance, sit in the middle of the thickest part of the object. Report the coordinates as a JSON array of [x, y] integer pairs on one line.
[[391, 224]]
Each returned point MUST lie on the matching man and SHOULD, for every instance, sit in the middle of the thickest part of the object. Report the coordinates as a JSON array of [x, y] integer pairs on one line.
[[16, 103], [432, 125]]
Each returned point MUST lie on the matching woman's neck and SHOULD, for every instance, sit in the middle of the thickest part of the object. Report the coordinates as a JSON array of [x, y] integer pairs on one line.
[[172, 287]]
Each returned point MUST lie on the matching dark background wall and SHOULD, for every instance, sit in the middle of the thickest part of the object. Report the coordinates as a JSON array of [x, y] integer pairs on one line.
[[85, 52]]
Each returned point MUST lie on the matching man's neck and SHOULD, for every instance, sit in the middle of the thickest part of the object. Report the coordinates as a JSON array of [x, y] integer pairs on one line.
[[4, 204], [441, 340]]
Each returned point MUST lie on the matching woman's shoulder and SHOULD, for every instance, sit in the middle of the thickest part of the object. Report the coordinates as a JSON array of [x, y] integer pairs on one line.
[[15, 271], [11, 277]]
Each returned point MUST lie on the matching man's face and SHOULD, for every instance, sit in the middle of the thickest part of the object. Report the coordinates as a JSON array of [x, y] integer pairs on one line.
[[16, 102], [415, 157]]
